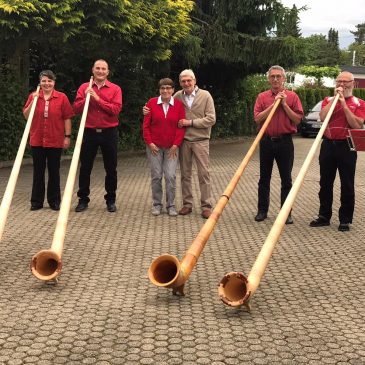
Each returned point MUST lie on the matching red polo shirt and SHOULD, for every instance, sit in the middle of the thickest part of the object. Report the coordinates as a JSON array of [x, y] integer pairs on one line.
[[163, 130], [49, 131], [338, 126], [102, 113], [280, 122]]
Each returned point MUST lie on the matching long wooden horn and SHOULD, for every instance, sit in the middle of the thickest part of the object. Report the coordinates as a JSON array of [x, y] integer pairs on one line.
[[166, 270], [9, 191], [46, 264], [235, 289]]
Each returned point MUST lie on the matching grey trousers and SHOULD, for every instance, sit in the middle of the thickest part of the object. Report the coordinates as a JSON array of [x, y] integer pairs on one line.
[[162, 165]]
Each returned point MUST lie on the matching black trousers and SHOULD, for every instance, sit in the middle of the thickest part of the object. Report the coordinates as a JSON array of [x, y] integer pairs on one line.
[[282, 151], [336, 155], [42, 157], [107, 139]]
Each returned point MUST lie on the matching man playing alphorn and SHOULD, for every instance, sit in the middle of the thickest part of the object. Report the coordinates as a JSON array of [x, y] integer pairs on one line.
[[276, 144], [335, 154]]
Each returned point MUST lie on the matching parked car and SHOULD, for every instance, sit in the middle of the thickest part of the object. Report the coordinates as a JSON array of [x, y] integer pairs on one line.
[[311, 124]]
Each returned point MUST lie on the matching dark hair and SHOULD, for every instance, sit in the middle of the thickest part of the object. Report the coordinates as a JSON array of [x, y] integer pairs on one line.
[[165, 81], [47, 73]]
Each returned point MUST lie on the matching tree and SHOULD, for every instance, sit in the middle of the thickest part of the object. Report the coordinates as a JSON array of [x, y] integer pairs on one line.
[[288, 22], [86, 28], [333, 48], [320, 51], [359, 34], [319, 72], [234, 40], [20, 21]]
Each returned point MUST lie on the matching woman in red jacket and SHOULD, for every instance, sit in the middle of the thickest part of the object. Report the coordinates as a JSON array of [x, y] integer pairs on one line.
[[50, 132], [163, 137]]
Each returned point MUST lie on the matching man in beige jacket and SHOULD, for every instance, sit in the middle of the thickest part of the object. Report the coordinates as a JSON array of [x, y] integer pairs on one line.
[[200, 114]]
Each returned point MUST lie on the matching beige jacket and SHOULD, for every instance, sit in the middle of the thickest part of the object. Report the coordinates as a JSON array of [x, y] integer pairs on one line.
[[202, 113]]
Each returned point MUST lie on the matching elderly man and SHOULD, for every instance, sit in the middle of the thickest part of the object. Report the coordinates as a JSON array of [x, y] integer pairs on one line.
[[335, 154], [101, 129], [200, 114], [277, 143]]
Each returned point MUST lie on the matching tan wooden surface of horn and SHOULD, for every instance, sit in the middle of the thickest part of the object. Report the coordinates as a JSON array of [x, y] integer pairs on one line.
[[9, 191], [253, 280], [46, 264], [166, 270]]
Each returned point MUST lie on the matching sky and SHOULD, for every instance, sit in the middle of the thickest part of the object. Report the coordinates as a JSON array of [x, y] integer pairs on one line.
[[322, 15]]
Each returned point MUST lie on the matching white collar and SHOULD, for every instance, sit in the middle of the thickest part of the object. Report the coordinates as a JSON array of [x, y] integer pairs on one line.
[[171, 102]]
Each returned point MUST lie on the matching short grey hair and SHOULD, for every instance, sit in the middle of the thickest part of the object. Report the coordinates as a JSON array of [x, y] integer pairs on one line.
[[47, 73], [187, 72], [276, 67]]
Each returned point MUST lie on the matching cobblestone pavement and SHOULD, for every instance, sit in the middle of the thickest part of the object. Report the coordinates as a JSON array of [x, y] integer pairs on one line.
[[309, 308]]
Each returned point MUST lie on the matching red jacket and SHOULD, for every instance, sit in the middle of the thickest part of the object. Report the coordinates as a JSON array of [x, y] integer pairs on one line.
[[102, 114], [160, 130], [49, 131]]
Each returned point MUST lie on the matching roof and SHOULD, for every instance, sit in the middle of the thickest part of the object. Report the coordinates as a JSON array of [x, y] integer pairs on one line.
[[354, 69]]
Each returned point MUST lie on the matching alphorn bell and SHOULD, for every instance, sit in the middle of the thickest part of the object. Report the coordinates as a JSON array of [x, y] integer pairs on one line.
[[9, 191], [166, 270], [46, 264], [235, 289]]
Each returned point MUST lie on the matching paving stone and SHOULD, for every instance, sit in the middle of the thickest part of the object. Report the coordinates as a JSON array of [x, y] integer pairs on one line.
[[103, 310]]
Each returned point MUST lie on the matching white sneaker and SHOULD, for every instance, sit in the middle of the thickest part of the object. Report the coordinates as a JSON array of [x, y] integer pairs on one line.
[[172, 212], [156, 210]]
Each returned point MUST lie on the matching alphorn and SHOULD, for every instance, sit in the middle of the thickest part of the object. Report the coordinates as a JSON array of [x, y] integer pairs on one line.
[[46, 264], [166, 270], [9, 191], [235, 289]]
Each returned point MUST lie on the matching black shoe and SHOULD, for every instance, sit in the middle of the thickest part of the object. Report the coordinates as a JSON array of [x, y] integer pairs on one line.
[[55, 206], [319, 222], [81, 206], [344, 227], [111, 207], [260, 216], [289, 220], [36, 207]]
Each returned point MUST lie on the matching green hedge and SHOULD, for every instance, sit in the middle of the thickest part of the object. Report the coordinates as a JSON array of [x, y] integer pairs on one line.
[[12, 122]]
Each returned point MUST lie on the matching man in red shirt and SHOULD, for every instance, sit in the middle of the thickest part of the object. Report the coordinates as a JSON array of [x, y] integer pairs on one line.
[[349, 113], [101, 129], [277, 143]]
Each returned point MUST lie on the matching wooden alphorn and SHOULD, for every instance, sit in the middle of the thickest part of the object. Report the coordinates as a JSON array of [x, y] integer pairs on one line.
[[46, 264], [166, 270], [9, 191], [235, 289]]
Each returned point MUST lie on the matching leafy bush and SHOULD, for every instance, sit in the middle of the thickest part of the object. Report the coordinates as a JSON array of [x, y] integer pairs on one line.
[[12, 121]]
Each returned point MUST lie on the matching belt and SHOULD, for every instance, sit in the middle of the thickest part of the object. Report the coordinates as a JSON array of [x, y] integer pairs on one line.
[[99, 130], [335, 140], [277, 138]]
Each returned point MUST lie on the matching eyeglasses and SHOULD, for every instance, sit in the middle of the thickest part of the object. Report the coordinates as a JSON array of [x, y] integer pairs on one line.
[[165, 87], [186, 81], [273, 77], [343, 81]]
